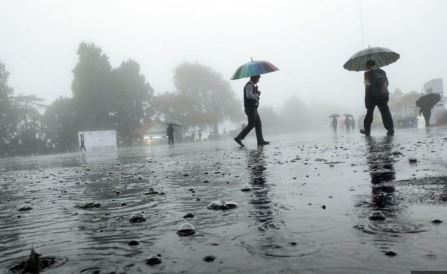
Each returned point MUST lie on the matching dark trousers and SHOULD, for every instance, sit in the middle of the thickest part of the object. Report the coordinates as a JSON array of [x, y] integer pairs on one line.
[[254, 121], [171, 139], [384, 111], [427, 114]]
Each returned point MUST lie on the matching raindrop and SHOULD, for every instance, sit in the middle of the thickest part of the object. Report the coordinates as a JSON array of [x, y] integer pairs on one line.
[[209, 259], [137, 217], [376, 216], [153, 260], [186, 229]]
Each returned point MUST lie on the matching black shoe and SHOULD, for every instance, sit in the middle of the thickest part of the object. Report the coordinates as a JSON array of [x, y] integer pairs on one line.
[[390, 133], [239, 142], [362, 131], [263, 143]]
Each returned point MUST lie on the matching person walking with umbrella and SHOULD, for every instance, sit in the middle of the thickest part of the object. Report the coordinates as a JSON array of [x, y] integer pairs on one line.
[[376, 94], [348, 122], [170, 133], [426, 104], [352, 123], [376, 84], [253, 70], [82, 148], [334, 122]]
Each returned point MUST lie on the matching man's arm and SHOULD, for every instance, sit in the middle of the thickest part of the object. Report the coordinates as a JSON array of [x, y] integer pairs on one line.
[[250, 92]]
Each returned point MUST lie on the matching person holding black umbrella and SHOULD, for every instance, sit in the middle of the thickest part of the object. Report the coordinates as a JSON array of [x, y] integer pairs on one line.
[[376, 83], [426, 104], [376, 94]]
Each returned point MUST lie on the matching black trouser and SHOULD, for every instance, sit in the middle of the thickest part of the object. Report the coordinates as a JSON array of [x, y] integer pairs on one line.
[[254, 121], [427, 114], [171, 139], [384, 111]]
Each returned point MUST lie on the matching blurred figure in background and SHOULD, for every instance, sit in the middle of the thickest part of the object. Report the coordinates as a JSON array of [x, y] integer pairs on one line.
[[334, 124], [170, 133]]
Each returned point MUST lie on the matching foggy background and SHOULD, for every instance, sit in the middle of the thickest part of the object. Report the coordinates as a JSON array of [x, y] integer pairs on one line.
[[135, 66], [308, 41]]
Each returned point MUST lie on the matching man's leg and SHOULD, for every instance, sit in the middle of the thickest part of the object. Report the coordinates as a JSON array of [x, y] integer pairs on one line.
[[258, 128], [427, 115], [251, 116], [368, 120], [386, 116]]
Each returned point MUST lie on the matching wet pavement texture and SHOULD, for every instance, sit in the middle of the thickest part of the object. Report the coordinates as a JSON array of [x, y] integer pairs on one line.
[[309, 203]]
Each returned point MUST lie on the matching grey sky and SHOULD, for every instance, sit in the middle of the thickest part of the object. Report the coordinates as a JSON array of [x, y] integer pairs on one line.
[[308, 40]]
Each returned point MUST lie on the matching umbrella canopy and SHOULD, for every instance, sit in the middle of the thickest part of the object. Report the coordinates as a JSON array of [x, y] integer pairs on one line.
[[382, 57], [334, 115], [428, 101], [253, 68], [174, 124]]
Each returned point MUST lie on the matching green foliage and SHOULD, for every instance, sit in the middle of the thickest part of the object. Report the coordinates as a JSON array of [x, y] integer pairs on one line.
[[91, 88], [7, 115], [202, 98], [59, 125], [28, 125], [132, 99], [20, 125], [111, 98], [106, 98]]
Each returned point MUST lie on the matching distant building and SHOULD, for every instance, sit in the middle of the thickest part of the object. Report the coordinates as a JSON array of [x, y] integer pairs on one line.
[[439, 113]]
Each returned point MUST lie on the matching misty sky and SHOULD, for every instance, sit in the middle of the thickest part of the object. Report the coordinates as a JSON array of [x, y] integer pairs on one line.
[[308, 40]]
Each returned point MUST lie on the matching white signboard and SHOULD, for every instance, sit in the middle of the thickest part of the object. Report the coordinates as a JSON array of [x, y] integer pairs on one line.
[[97, 141]]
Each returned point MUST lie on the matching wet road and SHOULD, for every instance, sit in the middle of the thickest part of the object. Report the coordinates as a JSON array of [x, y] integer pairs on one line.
[[308, 208]]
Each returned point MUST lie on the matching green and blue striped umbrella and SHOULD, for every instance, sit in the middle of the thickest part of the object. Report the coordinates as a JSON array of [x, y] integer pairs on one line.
[[253, 68]]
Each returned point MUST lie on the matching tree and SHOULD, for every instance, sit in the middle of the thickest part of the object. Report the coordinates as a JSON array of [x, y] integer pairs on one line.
[[132, 99], [106, 98], [7, 116], [29, 137], [207, 98], [92, 93], [59, 125]]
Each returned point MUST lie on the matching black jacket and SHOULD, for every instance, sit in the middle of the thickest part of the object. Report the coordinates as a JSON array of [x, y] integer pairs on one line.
[[376, 87]]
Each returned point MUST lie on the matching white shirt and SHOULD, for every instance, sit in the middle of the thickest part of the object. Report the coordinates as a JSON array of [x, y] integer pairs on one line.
[[250, 92]]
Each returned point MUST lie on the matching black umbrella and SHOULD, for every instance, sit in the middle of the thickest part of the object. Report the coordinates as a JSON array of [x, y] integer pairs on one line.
[[428, 101], [381, 57], [334, 115], [174, 124]]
